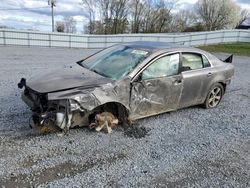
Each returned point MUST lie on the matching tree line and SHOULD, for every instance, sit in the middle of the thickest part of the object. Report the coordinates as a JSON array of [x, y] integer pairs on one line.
[[156, 16]]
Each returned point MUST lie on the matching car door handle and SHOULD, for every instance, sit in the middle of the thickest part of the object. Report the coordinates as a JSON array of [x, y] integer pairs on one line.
[[209, 74]]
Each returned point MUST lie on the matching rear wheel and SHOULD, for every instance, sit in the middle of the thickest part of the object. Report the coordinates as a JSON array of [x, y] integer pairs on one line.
[[214, 96]]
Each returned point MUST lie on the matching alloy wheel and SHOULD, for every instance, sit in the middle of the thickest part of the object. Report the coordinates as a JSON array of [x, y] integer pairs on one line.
[[214, 97]]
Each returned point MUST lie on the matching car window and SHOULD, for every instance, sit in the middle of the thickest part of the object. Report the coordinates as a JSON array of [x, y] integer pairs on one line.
[[205, 61], [115, 62], [191, 61], [165, 66]]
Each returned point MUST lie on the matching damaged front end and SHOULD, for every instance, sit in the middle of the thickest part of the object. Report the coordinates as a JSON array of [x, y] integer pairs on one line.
[[63, 113], [78, 106]]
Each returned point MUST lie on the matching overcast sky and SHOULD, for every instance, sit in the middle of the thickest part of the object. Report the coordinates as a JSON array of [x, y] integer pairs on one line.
[[36, 14]]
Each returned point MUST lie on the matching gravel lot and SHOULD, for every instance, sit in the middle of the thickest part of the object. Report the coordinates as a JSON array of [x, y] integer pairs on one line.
[[192, 147]]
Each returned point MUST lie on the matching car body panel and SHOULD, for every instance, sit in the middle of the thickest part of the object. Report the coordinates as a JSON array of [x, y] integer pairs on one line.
[[192, 87], [155, 95], [67, 78]]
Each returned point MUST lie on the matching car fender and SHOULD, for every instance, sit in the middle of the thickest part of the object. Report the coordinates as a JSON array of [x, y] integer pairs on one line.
[[91, 98], [220, 74]]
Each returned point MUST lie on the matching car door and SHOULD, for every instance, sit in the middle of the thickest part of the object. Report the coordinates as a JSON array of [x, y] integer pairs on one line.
[[194, 77], [157, 87]]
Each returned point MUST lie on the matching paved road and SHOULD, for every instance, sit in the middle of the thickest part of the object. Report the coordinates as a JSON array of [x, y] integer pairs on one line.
[[192, 147]]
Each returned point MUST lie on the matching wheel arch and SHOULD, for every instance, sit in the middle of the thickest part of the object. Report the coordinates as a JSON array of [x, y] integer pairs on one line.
[[224, 86], [118, 109]]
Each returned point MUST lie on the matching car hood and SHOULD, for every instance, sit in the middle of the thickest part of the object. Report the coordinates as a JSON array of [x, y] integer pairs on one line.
[[64, 79]]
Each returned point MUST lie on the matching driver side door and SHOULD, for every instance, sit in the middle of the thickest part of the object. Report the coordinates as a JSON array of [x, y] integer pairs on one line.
[[157, 88]]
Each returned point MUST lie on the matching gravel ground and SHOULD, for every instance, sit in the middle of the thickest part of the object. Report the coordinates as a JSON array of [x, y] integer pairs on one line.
[[192, 147]]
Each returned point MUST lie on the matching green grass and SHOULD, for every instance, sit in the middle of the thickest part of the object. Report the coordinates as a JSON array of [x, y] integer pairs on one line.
[[242, 49]]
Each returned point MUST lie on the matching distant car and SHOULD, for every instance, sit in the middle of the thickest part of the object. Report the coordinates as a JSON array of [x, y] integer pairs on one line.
[[132, 81]]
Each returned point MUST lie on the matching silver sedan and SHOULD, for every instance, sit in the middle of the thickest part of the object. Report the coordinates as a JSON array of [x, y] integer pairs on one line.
[[132, 81]]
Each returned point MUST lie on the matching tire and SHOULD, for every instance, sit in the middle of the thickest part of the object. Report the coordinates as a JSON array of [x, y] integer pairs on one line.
[[214, 96]]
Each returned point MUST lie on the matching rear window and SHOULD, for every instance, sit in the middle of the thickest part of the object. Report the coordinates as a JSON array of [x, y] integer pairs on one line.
[[191, 61]]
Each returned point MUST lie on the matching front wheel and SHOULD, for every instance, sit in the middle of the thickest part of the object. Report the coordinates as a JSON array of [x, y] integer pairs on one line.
[[214, 96]]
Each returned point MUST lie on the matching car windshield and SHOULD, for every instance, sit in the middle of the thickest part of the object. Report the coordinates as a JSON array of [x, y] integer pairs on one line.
[[115, 62]]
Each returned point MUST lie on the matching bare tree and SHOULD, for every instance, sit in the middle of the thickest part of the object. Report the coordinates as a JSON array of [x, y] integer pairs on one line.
[[217, 14], [136, 11], [162, 16], [141, 15], [91, 6], [113, 15], [157, 16], [185, 20], [105, 6], [95, 27], [244, 16], [69, 24], [60, 26], [119, 11]]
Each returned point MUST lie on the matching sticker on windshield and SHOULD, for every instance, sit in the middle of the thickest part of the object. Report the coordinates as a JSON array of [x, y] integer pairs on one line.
[[139, 52]]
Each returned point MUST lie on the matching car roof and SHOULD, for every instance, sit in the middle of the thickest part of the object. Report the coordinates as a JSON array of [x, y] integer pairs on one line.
[[160, 47], [153, 46], [166, 47]]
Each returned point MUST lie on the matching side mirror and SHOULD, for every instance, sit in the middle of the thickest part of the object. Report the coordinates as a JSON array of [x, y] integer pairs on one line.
[[22, 83]]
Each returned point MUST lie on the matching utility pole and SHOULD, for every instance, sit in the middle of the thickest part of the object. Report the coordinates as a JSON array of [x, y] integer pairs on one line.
[[52, 3]]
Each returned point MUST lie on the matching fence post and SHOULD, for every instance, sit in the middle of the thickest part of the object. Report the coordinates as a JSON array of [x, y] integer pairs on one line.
[[106, 44], [4, 38], [190, 39], [205, 42], [88, 41], [238, 35], [70, 41], [158, 38], [50, 40], [28, 38], [223, 37], [122, 38]]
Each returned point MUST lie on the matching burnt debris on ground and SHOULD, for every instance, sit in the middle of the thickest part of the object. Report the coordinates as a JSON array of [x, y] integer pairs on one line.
[[134, 130]]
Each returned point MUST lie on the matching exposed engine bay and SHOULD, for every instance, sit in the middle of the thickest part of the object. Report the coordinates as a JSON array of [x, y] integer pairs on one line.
[[58, 112]]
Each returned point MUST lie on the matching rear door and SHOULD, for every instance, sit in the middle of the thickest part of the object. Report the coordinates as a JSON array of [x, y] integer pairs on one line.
[[195, 74]]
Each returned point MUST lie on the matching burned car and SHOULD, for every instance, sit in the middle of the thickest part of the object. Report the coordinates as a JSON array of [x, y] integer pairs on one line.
[[131, 80]]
